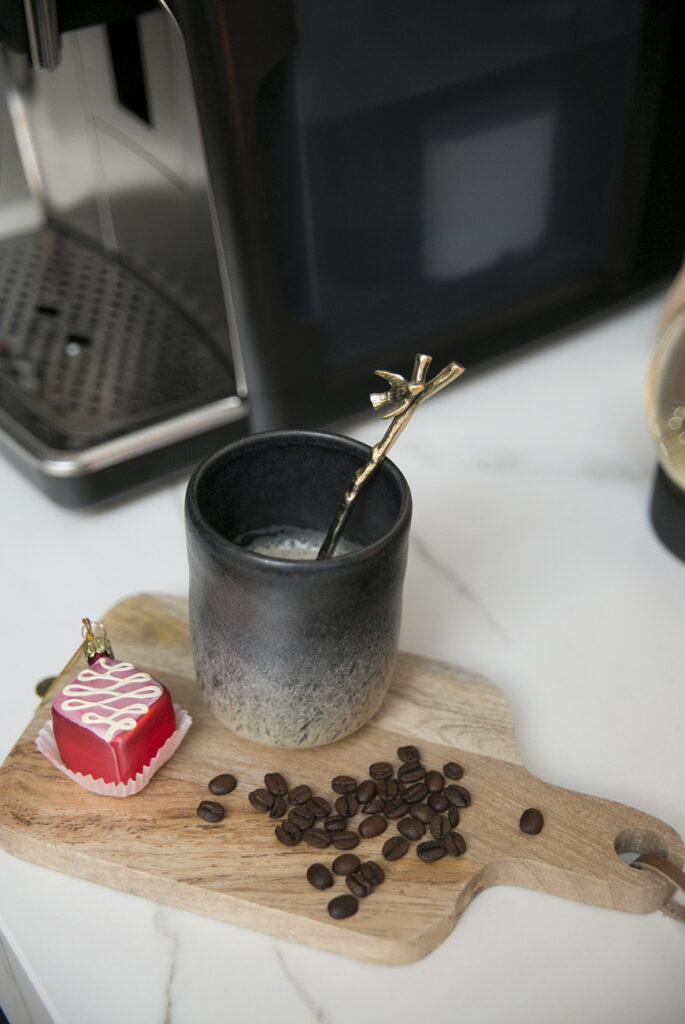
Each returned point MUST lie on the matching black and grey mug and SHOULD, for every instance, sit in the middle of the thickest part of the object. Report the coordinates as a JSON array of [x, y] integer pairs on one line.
[[294, 653]]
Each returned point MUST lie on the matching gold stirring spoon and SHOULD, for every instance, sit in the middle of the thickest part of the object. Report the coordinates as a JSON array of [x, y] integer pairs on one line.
[[402, 401]]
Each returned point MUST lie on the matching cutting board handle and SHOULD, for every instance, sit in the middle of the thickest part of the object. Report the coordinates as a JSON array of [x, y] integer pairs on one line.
[[578, 854]]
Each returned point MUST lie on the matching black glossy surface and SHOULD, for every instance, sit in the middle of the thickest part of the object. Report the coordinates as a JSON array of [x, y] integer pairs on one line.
[[667, 512]]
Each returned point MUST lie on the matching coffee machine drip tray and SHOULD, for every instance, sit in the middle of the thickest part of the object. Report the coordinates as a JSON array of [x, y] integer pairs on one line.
[[104, 381]]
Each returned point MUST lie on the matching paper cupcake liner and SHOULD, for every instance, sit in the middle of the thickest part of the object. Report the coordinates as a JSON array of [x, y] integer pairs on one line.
[[45, 741]]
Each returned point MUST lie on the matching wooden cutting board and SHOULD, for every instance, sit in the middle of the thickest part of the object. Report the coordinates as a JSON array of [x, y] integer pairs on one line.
[[155, 846]]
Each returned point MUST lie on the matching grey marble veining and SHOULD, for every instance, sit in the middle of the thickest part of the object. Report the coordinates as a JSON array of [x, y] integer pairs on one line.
[[19, 999], [310, 1008], [441, 566], [587, 467], [170, 938]]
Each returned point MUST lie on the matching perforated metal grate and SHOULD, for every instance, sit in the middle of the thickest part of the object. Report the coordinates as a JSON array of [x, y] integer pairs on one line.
[[88, 350]]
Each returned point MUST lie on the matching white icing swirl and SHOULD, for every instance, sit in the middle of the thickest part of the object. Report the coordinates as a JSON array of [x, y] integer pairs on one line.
[[96, 701]]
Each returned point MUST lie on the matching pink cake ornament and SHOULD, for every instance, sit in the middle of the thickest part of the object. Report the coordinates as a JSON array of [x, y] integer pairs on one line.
[[113, 726]]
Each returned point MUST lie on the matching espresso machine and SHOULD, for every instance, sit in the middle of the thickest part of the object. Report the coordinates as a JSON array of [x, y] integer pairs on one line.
[[116, 358], [221, 216]]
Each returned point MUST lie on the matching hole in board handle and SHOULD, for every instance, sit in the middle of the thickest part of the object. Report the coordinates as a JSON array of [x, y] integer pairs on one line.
[[633, 842]]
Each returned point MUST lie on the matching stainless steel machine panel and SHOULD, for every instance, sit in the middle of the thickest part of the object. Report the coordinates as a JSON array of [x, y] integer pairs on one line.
[[113, 312]]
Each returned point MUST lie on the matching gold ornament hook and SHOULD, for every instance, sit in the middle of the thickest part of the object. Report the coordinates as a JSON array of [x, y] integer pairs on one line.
[[94, 644]]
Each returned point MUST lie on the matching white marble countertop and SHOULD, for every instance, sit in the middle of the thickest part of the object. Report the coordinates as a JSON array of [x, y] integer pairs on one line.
[[533, 562]]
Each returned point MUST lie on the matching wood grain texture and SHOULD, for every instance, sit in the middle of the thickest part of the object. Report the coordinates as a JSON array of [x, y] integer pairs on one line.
[[155, 846]]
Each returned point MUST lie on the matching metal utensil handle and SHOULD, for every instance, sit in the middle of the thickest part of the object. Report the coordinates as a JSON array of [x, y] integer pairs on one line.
[[417, 390]]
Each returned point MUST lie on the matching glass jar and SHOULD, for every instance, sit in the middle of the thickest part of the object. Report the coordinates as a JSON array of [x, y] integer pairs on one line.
[[665, 401]]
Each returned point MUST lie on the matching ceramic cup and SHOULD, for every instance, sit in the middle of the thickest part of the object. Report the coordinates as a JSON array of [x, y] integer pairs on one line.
[[294, 653]]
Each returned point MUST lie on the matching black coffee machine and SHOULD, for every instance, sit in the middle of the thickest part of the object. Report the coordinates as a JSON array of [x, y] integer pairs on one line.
[[220, 216]]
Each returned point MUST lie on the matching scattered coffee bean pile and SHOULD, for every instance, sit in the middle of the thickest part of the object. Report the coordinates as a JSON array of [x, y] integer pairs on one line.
[[417, 800], [414, 798]]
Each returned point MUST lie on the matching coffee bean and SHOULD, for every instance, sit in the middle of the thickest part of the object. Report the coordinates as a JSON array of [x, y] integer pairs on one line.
[[415, 793], [336, 823], [317, 837], [319, 876], [431, 850], [366, 791], [409, 773], [453, 815], [346, 840], [278, 808], [372, 872], [381, 770], [346, 863], [374, 806], [454, 844], [531, 821], [439, 826], [422, 812], [434, 782], [261, 799], [411, 828], [341, 907], [347, 805], [396, 808], [275, 783], [358, 885], [319, 807], [300, 817], [210, 810], [408, 754], [372, 826], [452, 770], [343, 784], [395, 847], [288, 834], [438, 801], [222, 784], [387, 789], [299, 795], [458, 795]]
